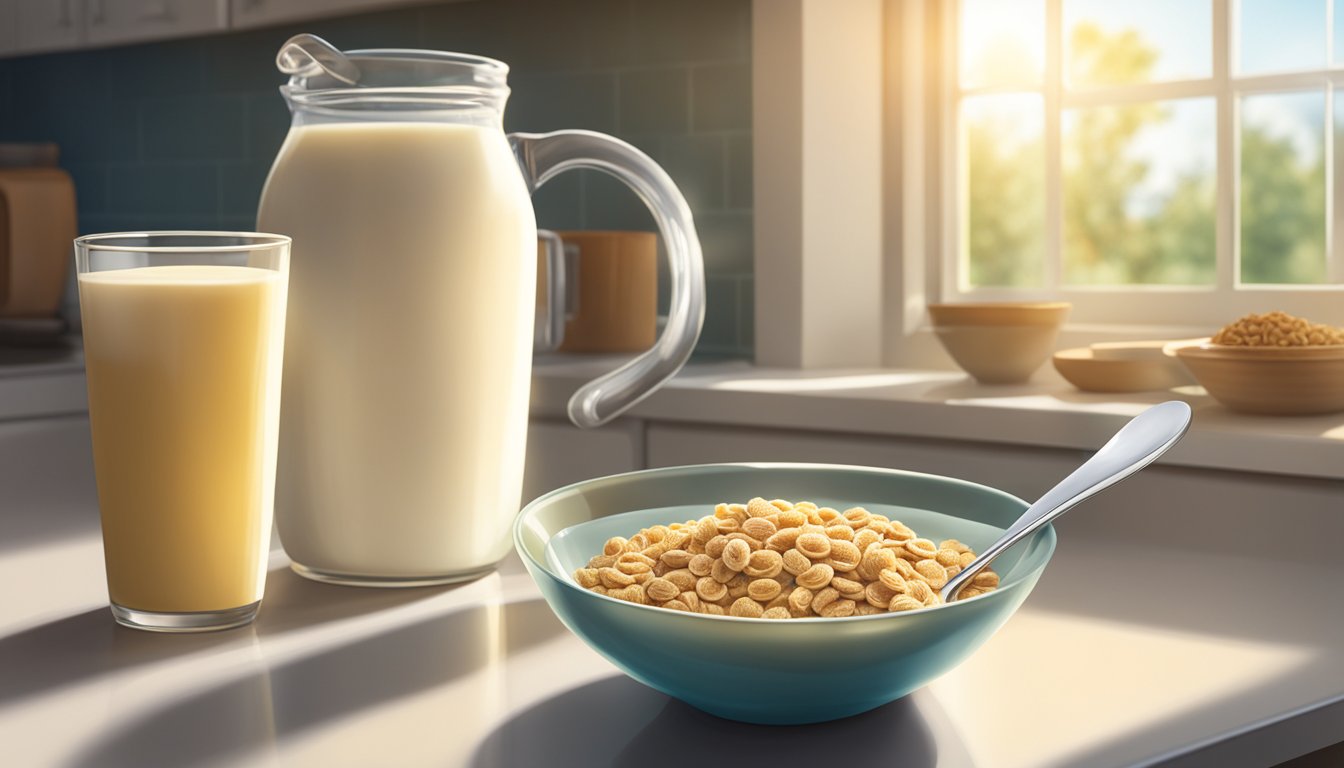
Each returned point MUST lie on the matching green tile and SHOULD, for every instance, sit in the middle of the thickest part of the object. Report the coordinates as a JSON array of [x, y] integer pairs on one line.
[[554, 102], [108, 222], [609, 204], [89, 131], [243, 61], [238, 223], [559, 202], [42, 80], [90, 187], [690, 31], [159, 69], [268, 120], [6, 99], [192, 128], [163, 189], [483, 28], [531, 36], [608, 33], [726, 239], [240, 188], [696, 164], [739, 172], [654, 100], [721, 97], [720, 332]]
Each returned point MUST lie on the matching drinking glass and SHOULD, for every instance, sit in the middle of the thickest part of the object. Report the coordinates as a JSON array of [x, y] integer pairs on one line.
[[183, 338]]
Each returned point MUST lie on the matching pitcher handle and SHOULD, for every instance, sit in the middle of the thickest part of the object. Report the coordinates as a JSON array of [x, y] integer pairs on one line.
[[543, 155], [551, 334]]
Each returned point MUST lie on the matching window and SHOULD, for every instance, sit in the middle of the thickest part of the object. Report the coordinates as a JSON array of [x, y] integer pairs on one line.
[[1157, 162]]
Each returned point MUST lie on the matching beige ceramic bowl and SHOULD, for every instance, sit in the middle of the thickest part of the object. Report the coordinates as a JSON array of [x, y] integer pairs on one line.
[[1091, 370], [1268, 380], [999, 342]]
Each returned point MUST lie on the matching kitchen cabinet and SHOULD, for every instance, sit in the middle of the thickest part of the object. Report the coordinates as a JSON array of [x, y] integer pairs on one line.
[[48, 25], [259, 13], [559, 453], [41, 26], [127, 21]]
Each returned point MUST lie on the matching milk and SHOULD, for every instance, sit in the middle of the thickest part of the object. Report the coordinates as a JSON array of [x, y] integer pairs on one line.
[[183, 363], [406, 376]]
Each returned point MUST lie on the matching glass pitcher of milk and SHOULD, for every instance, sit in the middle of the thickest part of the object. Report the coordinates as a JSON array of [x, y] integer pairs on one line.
[[411, 309]]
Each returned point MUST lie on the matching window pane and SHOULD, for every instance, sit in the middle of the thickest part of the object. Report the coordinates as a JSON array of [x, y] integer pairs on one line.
[[1338, 31], [1138, 197], [1139, 41], [1283, 188], [1003, 226], [1002, 43], [1280, 35]]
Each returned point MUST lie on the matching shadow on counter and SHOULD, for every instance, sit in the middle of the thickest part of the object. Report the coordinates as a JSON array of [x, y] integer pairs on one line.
[[593, 726], [237, 719], [90, 644]]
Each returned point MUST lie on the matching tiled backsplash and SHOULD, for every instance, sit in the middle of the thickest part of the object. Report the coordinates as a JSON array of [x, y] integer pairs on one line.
[[181, 134]]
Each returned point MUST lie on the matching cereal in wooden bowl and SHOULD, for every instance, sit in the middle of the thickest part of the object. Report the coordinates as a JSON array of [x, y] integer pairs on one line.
[[1277, 329]]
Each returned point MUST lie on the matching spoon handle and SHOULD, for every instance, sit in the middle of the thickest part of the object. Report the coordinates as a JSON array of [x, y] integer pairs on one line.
[[1134, 447]]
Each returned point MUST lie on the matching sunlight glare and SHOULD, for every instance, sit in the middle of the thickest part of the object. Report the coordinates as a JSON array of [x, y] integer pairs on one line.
[[1002, 43]]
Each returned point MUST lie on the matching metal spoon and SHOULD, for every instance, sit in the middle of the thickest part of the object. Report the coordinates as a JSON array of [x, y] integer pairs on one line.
[[1134, 447]]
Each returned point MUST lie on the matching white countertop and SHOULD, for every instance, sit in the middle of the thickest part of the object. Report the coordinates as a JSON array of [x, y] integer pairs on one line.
[[1092, 672]]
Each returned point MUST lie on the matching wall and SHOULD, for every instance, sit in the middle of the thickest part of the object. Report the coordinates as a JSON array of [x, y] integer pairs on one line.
[[181, 134]]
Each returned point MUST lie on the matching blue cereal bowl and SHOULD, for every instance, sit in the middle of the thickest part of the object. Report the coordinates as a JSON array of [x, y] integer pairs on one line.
[[785, 671]]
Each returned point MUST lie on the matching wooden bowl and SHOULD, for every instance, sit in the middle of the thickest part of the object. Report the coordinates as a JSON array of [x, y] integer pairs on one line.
[[1000, 313], [1268, 380], [1090, 370], [999, 342]]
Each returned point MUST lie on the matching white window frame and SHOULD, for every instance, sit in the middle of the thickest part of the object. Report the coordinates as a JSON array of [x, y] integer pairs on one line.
[[841, 283], [1175, 307]]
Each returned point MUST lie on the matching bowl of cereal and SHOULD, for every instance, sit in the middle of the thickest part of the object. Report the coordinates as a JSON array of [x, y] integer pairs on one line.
[[1272, 364], [728, 621]]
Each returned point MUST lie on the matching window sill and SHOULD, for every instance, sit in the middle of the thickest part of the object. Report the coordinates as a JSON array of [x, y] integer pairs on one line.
[[947, 405]]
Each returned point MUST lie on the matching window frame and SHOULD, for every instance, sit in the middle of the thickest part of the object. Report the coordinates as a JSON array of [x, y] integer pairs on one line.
[[1171, 310]]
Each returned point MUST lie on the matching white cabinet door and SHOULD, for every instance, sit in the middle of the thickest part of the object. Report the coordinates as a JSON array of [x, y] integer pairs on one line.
[[559, 453], [48, 25], [128, 21], [259, 13]]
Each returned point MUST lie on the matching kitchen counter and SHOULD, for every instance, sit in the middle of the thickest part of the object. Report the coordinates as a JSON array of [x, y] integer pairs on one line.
[[947, 405], [1130, 652]]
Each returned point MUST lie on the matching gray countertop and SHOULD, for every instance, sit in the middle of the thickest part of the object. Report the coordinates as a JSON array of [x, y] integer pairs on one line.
[[1246, 669]]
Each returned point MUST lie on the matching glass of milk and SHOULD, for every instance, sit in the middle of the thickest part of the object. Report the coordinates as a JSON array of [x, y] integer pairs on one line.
[[183, 339]]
